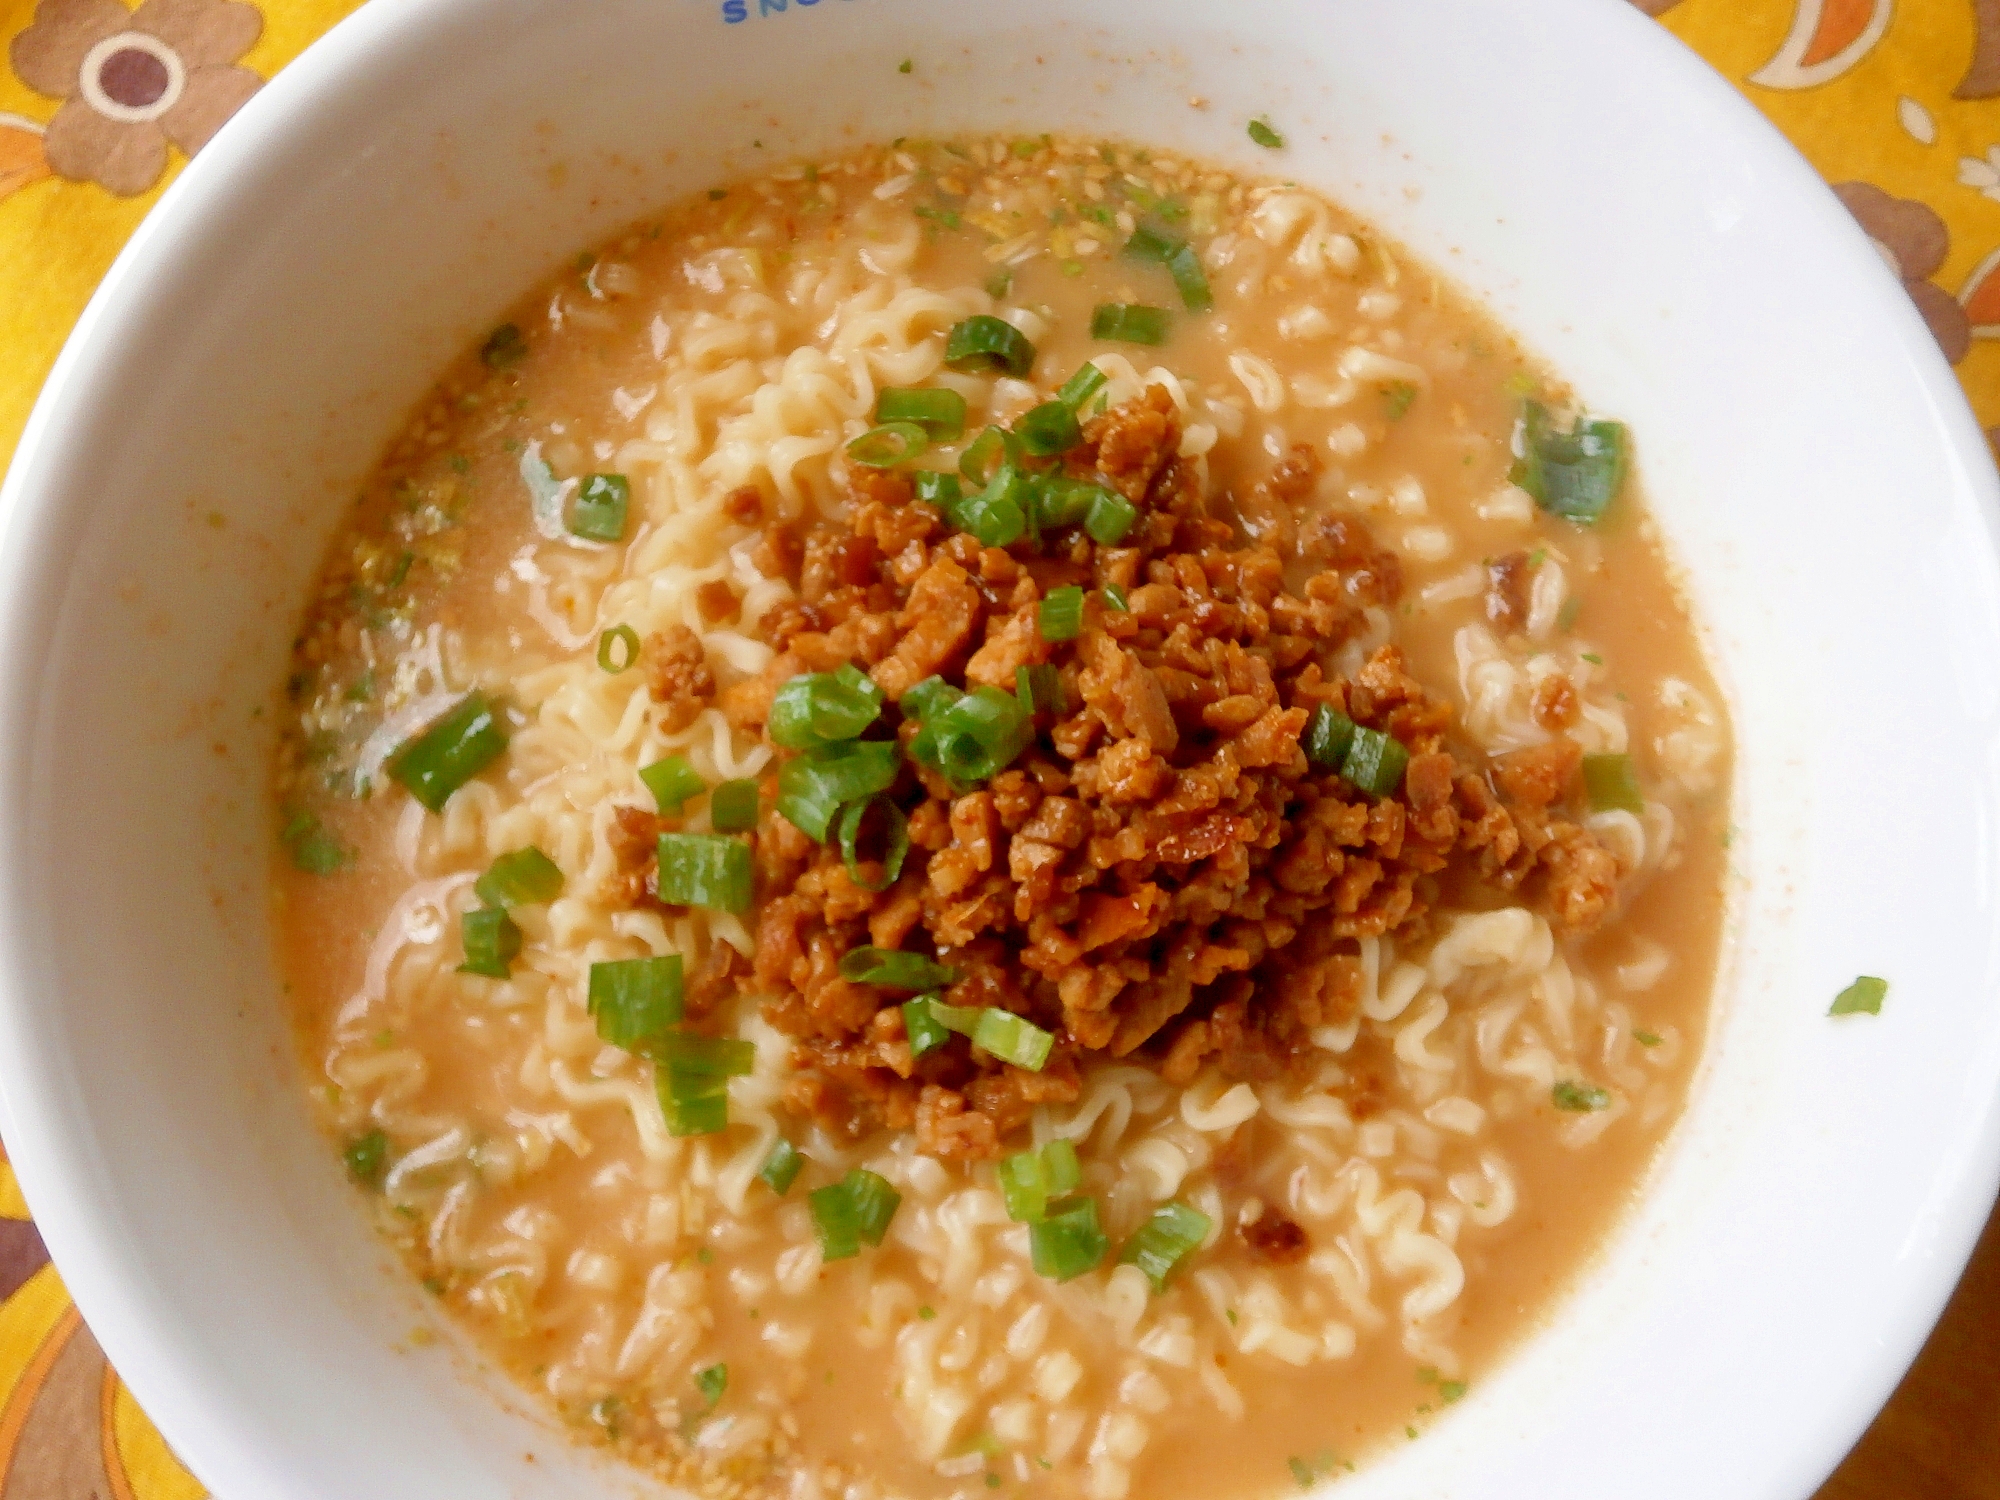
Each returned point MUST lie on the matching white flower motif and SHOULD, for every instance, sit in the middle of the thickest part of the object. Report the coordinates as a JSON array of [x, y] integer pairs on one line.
[[1983, 175]]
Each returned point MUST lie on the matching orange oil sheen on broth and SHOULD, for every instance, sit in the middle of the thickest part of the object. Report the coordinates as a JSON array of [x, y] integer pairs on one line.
[[542, 1212]]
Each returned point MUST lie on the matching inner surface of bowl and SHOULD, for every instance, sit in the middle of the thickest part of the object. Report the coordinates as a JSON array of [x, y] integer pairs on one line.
[[367, 215]]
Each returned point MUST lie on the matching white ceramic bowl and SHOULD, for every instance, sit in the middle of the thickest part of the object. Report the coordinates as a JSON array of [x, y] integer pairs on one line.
[[1810, 458]]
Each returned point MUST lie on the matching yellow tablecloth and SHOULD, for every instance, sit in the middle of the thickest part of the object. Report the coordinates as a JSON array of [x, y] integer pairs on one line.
[[101, 103]]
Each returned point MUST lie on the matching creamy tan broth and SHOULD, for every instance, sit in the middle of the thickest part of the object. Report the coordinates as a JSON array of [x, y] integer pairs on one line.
[[738, 341]]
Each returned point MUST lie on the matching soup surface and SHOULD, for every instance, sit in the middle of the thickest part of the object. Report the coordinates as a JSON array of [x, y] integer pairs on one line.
[[1319, 881]]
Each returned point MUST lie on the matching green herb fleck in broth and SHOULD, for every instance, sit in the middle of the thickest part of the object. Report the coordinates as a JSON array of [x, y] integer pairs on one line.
[[1396, 399], [504, 348], [905, 65], [367, 1157], [712, 1382], [1262, 133], [1579, 1098], [312, 848], [1864, 997], [1646, 1038]]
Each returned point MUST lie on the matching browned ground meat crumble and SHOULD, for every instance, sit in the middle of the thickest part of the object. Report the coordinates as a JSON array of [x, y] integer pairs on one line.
[[1162, 874]]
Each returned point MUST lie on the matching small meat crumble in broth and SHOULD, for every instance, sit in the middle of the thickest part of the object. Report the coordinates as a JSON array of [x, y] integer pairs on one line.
[[959, 804]]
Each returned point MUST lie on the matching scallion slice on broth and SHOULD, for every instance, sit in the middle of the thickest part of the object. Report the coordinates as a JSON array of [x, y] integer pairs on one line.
[[1574, 474], [525, 877], [634, 1000], [781, 1167], [1164, 1241], [732, 807], [461, 744], [939, 412], [984, 342], [672, 781], [492, 942], [710, 870], [1068, 1240], [1131, 323]]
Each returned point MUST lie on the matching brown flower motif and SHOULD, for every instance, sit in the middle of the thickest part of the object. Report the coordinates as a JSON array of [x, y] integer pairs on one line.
[[132, 81], [1914, 241]]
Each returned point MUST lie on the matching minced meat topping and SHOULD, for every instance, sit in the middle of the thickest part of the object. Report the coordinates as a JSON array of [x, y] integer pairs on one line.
[[1162, 874]]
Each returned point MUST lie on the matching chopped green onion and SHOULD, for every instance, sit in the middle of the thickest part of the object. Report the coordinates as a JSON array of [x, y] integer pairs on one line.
[[712, 1382], [985, 342], [312, 847], [852, 1212], [895, 970], [1653, 1038], [928, 696], [1329, 736], [367, 1156], [1579, 1098], [693, 1103], [823, 708], [1111, 516], [875, 1203], [935, 487], [1262, 133], [672, 781], [1068, 1242], [1080, 387], [963, 1019], [1013, 1039], [998, 514], [1374, 762], [813, 785], [732, 807], [1164, 1240], [1029, 1180], [1396, 398], [1182, 263], [925, 1031], [835, 1221], [941, 413], [504, 347], [1000, 283], [896, 846], [1062, 501], [1610, 785], [694, 1056], [1147, 243], [635, 999], [618, 649], [710, 870], [1060, 617], [781, 1167], [888, 445], [492, 942], [525, 877], [1049, 429], [1575, 474], [1114, 597], [1130, 323], [1863, 997], [599, 512], [978, 736], [1061, 1167], [986, 455], [460, 745], [1024, 1186], [1040, 690], [1190, 280]]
